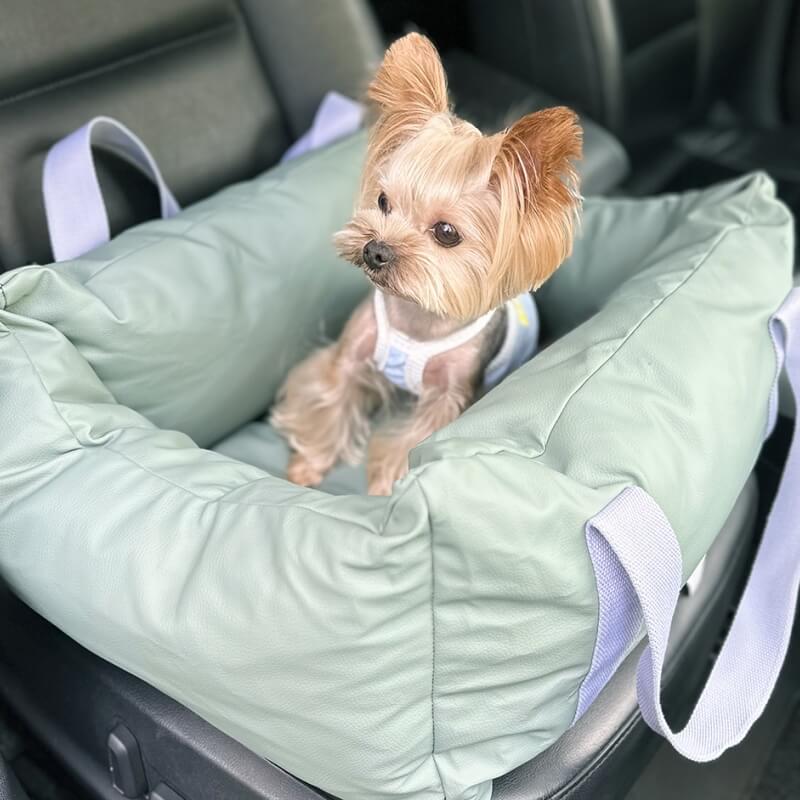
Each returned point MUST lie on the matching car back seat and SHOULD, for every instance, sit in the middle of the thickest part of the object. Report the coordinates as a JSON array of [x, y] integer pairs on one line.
[[218, 90]]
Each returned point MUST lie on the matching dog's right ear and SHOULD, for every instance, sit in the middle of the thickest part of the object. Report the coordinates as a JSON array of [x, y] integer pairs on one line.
[[408, 89], [411, 79]]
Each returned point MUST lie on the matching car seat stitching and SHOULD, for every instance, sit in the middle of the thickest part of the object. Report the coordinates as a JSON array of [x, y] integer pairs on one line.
[[44, 388], [156, 240], [143, 55]]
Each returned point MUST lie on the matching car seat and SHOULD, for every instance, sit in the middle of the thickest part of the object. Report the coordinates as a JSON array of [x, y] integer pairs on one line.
[[219, 90], [643, 71]]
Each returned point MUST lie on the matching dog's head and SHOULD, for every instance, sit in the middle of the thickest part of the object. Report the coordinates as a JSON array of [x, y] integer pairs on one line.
[[456, 221]]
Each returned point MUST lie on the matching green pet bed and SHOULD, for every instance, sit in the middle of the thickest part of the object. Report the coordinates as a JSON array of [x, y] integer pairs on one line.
[[411, 646]]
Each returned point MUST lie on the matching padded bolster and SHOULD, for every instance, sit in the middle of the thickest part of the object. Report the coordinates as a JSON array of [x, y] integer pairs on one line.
[[600, 757], [414, 646], [160, 311]]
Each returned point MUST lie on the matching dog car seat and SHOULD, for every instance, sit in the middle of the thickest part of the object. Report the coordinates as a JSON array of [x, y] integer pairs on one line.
[[236, 98], [415, 646], [74, 700]]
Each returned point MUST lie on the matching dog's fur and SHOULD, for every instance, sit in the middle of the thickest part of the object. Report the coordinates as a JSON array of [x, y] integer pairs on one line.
[[512, 197]]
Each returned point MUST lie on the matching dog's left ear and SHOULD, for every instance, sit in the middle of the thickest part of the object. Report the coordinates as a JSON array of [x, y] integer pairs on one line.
[[536, 159]]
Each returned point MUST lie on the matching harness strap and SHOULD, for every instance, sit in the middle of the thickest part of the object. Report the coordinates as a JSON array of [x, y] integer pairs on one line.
[[403, 359]]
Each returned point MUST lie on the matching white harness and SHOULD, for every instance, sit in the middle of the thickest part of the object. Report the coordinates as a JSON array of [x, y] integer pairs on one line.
[[403, 359]]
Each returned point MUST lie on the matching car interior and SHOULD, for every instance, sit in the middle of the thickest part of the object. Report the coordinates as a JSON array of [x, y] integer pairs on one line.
[[671, 96]]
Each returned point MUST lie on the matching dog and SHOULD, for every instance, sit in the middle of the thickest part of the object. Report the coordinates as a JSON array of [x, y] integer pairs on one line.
[[454, 229]]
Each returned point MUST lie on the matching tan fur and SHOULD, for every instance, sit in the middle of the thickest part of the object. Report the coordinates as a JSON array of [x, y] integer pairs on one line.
[[512, 197]]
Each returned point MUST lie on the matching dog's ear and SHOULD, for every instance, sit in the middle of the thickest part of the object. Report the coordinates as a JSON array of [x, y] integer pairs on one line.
[[536, 158], [533, 175], [408, 89], [411, 79]]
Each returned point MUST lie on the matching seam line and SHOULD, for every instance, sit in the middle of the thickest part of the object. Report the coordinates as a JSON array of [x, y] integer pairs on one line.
[[94, 72]]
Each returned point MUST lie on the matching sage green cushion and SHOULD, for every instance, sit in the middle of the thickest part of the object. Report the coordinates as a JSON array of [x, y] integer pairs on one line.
[[195, 320], [415, 646]]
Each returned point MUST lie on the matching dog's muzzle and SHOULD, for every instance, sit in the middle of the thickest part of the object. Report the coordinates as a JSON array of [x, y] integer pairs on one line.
[[378, 255]]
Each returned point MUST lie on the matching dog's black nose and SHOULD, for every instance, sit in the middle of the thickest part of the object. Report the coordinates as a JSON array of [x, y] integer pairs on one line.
[[378, 254]]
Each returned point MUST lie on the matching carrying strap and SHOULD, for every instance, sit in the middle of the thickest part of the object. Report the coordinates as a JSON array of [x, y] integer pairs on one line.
[[76, 212], [633, 530], [336, 117]]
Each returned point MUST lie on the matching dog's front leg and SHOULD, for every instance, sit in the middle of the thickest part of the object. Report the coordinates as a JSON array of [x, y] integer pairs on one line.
[[324, 407], [387, 458]]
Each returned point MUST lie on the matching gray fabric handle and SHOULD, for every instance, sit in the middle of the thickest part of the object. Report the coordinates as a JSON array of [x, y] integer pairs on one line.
[[631, 536], [76, 212]]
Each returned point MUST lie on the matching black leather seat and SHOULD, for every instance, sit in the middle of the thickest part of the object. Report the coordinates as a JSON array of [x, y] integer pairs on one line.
[[218, 90], [492, 100], [642, 70], [10, 788]]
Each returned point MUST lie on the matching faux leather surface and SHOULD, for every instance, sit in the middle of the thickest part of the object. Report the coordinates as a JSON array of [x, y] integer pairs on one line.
[[158, 67], [601, 756], [69, 696], [192, 89], [70, 699], [413, 646], [527, 38]]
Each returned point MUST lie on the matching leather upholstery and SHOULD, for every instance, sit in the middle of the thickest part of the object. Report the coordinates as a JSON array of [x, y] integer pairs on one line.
[[10, 788], [217, 90], [527, 38], [335, 45], [640, 69], [491, 99], [203, 82]]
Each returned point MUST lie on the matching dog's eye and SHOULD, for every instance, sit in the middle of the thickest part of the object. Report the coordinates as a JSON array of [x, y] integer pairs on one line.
[[446, 234], [383, 203]]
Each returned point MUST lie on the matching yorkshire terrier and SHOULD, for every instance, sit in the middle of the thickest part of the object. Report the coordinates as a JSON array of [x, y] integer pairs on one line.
[[454, 229]]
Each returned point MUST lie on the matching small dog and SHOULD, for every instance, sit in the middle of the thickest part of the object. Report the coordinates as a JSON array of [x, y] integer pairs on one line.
[[453, 229]]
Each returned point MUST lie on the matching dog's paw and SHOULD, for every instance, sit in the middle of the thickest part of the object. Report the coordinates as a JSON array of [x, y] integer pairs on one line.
[[381, 485], [302, 472], [382, 475]]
